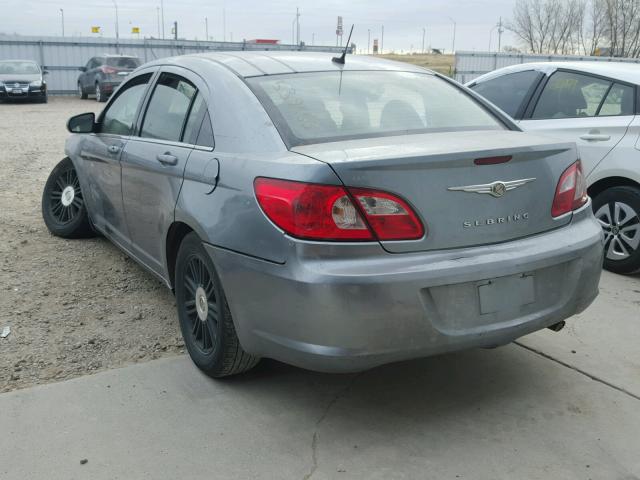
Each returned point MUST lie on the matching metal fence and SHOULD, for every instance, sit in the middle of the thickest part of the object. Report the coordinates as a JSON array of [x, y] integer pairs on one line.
[[62, 56], [470, 65]]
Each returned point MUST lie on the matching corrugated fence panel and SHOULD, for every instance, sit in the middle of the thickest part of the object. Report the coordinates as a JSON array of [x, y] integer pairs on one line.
[[470, 65], [62, 56]]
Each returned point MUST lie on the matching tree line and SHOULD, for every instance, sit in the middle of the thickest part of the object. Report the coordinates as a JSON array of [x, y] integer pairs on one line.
[[569, 27]]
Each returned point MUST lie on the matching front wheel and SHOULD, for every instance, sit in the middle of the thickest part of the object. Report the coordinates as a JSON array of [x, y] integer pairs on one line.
[[63, 208], [205, 320], [618, 211], [100, 96]]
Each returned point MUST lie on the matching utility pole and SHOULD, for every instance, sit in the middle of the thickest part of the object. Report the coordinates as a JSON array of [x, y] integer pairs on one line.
[[297, 26], [453, 43], [158, 12], [117, 28], [162, 9], [224, 24], [368, 39], [175, 30], [500, 32], [206, 28], [424, 33], [382, 40], [313, 39], [62, 14]]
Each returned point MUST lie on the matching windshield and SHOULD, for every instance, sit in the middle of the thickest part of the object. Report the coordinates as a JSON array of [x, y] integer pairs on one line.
[[123, 62], [19, 68], [331, 106]]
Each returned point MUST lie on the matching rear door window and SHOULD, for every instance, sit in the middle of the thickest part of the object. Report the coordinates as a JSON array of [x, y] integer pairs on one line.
[[508, 92], [168, 108], [571, 95], [619, 101], [198, 123]]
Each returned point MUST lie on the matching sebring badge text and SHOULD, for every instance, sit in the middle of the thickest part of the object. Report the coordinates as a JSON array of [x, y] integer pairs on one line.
[[516, 217]]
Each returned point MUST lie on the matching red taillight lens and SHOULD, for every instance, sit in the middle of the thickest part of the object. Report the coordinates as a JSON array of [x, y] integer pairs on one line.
[[571, 192], [328, 212], [316, 212], [106, 69], [389, 216]]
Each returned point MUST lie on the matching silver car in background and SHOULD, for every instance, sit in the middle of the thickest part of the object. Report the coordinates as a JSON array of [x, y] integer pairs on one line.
[[335, 217]]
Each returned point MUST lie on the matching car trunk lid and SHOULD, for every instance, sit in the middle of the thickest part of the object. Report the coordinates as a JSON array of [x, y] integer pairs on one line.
[[437, 175]]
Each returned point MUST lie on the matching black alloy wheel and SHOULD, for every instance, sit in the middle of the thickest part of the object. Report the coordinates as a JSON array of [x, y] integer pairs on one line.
[[63, 206], [205, 319]]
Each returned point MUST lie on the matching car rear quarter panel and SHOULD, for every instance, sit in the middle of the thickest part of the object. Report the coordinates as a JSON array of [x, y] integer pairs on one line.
[[247, 145]]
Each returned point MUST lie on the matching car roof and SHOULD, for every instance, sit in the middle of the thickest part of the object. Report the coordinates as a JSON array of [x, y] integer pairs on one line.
[[259, 63], [624, 71]]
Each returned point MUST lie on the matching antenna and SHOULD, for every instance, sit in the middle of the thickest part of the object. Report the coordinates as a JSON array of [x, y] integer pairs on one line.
[[340, 59]]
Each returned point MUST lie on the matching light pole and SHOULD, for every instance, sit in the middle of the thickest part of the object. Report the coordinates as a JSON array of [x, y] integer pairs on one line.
[[117, 28], [297, 26], [62, 15], [368, 39], [500, 32], [382, 40], [453, 43], [162, 10], [313, 39], [424, 33], [206, 28], [158, 12]]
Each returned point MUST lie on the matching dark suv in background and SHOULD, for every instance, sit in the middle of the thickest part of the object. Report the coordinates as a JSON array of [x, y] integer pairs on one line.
[[103, 74], [22, 80]]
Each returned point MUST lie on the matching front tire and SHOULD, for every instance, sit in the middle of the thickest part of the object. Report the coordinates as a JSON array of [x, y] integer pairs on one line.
[[618, 211], [100, 96], [81, 93], [205, 320], [63, 208]]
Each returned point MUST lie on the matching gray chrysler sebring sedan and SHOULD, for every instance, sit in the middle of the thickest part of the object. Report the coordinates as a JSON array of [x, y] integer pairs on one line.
[[332, 216]]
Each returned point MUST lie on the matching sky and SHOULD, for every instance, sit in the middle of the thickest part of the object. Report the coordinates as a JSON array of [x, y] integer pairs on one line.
[[403, 20]]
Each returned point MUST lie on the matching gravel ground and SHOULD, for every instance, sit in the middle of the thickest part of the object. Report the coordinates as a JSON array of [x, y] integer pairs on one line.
[[74, 307]]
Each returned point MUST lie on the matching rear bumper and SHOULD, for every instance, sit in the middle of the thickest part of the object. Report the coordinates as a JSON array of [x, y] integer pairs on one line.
[[350, 308]]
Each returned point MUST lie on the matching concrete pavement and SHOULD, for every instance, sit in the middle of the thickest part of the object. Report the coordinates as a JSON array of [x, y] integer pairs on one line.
[[508, 413]]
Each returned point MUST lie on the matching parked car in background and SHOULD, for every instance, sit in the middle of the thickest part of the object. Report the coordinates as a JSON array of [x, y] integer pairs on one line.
[[594, 104], [333, 216], [22, 80], [103, 74]]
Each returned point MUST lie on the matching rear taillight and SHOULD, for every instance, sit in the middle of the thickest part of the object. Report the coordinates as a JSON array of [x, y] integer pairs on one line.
[[108, 70], [330, 212], [571, 192]]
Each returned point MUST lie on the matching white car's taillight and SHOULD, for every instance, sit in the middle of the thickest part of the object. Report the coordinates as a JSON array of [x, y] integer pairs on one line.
[[571, 192]]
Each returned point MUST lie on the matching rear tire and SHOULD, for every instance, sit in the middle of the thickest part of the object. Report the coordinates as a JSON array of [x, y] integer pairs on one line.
[[63, 208], [618, 211], [205, 320], [81, 93]]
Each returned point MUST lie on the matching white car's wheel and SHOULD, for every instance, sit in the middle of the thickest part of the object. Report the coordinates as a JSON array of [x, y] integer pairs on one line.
[[618, 211]]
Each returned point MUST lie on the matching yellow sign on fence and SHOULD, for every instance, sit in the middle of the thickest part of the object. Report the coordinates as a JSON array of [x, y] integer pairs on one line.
[[95, 29], [135, 30]]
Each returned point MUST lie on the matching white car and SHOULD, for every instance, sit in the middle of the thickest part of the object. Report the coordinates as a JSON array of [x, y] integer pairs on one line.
[[596, 105]]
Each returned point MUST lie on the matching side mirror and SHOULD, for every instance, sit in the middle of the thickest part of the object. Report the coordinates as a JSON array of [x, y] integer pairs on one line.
[[82, 69], [83, 123]]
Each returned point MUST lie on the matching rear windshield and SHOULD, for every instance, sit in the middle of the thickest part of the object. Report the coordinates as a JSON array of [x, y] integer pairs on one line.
[[19, 68], [332, 106], [123, 62]]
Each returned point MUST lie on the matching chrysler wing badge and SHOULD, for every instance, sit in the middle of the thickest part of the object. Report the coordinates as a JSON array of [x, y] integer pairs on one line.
[[495, 189]]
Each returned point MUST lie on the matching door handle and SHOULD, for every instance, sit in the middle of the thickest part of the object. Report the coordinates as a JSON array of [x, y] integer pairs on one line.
[[113, 148], [595, 137], [167, 159]]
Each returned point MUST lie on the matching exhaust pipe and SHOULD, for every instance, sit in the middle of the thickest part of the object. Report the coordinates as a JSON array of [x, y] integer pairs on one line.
[[556, 327]]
